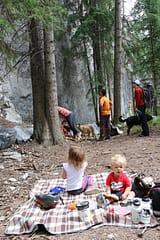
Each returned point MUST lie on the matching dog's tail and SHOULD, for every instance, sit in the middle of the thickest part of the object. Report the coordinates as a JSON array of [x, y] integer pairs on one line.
[[121, 119]]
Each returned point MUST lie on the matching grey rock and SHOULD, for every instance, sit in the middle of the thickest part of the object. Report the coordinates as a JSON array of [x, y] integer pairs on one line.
[[23, 134], [7, 137], [17, 134]]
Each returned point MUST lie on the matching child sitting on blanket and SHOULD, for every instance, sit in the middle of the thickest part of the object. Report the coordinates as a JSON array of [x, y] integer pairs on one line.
[[118, 184], [73, 171]]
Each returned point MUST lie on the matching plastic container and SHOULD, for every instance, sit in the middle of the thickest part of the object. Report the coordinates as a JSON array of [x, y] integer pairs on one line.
[[146, 211], [56, 189], [84, 211], [136, 210]]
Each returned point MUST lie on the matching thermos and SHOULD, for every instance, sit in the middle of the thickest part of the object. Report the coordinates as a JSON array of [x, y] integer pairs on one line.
[[146, 211], [136, 211]]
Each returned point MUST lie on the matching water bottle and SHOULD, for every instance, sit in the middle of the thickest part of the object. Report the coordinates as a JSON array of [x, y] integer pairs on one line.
[[146, 211], [136, 211]]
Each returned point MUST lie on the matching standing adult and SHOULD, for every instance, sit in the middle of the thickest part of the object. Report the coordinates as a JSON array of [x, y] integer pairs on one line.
[[139, 105], [105, 105], [69, 116]]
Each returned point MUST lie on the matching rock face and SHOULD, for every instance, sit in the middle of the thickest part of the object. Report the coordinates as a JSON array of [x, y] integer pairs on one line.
[[72, 82], [16, 90]]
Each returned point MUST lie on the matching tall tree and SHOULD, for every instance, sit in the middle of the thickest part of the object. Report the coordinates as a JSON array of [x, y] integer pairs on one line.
[[93, 21], [51, 89], [37, 73], [42, 15], [143, 45], [117, 59], [50, 129]]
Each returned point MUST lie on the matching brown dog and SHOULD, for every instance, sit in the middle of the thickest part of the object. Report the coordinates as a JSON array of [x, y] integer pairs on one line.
[[87, 131]]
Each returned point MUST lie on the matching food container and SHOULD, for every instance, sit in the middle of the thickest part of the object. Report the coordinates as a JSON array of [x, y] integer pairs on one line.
[[84, 211]]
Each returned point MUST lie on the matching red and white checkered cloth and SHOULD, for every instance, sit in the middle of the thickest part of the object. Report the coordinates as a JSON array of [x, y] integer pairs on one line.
[[62, 220]]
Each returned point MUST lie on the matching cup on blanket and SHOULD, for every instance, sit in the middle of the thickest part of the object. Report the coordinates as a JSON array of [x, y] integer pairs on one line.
[[84, 211]]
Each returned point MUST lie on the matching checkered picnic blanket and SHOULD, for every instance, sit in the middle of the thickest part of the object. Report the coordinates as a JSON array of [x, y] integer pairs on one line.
[[62, 220]]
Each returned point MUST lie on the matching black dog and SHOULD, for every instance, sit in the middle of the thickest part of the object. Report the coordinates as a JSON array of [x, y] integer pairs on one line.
[[133, 120]]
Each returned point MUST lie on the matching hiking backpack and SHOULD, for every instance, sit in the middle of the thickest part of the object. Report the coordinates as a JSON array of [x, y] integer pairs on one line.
[[154, 194]]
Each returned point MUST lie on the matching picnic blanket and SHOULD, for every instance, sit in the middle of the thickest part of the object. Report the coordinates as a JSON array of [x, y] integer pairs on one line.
[[61, 219]]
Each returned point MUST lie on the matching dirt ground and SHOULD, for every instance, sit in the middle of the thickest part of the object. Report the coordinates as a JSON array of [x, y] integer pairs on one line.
[[38, 162]]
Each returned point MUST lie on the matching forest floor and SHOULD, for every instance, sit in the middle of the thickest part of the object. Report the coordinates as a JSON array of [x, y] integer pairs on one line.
[[40, 162]]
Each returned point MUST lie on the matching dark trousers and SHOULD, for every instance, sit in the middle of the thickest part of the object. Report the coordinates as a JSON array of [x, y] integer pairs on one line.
[[72, 123], [143, 120], [105, 127]]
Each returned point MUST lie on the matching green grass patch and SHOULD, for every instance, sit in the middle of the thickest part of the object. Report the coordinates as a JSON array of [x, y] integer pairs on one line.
[[155, 123]]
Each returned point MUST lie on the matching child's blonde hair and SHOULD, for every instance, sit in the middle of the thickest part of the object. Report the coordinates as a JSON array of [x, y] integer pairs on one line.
[[76, 156], [119, 158]]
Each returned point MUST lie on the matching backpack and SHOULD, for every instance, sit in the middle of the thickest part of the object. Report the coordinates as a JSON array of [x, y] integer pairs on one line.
[[154, 194], [148, 91], [141, 185]]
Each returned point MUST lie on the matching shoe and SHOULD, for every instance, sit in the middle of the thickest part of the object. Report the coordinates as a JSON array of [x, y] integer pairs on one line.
[[78, 136], [101, 139], [91, 190], [142, 135], [107, 138]]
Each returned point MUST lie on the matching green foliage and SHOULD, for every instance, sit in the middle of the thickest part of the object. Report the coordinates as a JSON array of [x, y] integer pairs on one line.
[[86, 24], [94, 25], [142, 42], [138, 44], [155, 124], [49, 12], [15, 16]]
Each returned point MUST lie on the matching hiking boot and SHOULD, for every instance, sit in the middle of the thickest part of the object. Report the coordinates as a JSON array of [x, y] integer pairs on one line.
[[142, 135]]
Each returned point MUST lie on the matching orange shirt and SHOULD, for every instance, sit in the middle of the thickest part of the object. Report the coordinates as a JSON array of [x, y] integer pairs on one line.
[[105, 106]]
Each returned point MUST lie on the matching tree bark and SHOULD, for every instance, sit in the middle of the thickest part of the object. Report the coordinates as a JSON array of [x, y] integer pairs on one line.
[[117, 61], [44, 88], [37, 77], [51, 88]]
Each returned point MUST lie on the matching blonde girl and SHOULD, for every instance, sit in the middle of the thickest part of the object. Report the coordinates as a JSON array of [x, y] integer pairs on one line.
[[74, 170]]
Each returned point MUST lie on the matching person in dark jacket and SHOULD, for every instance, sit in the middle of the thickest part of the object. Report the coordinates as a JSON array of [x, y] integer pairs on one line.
[[139, 106]]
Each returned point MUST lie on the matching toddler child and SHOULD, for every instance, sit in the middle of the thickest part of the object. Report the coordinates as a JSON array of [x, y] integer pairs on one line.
[[73, 171], [118, 184]]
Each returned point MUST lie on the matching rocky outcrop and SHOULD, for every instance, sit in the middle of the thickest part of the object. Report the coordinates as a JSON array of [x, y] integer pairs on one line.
[[17, 134]]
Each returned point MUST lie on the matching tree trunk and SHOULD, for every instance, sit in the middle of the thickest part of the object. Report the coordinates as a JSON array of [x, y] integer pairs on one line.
[[37, 77], [154, 68], [117, 60], [51, 88], [43, 117]]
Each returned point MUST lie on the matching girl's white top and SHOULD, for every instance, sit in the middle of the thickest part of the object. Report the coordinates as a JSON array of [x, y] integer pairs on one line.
[[74, 176]]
